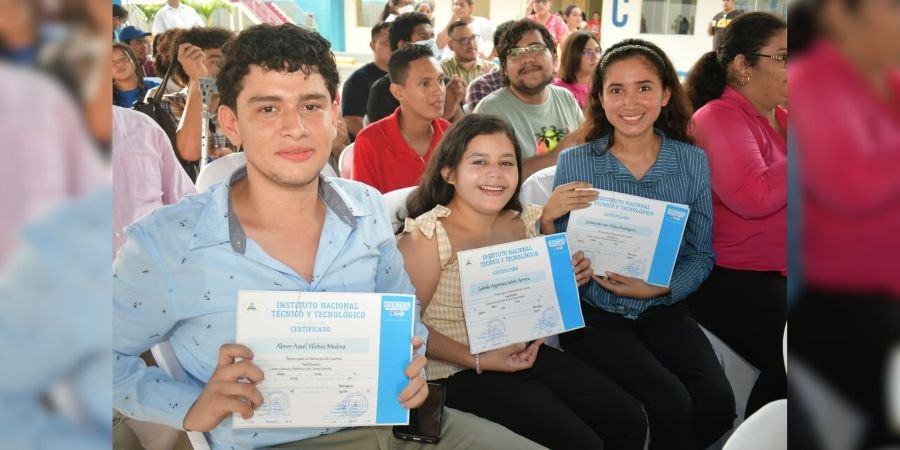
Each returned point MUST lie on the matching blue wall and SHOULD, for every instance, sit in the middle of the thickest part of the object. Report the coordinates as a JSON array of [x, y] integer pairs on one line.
[[329, 18]]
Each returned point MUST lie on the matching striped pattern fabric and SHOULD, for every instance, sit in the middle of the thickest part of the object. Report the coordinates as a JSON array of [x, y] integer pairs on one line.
[[680, 175], [444, 313]]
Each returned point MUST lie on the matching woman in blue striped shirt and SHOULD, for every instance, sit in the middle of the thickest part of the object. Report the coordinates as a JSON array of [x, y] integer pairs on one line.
[[641, 335]]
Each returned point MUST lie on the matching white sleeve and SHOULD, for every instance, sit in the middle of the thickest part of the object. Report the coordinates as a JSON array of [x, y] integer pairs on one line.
[[158, 25]]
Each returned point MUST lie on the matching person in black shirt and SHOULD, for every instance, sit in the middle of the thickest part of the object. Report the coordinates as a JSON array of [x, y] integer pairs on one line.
[[412, 28], [355, 93], [721, 20]]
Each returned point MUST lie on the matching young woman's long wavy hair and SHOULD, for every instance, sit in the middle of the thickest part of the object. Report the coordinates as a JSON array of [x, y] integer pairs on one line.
[[433, 189], [675, 116], [137, 68]]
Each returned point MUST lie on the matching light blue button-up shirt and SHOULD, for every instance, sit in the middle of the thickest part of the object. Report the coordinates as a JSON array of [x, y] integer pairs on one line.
[[179, 273], [680, 175]]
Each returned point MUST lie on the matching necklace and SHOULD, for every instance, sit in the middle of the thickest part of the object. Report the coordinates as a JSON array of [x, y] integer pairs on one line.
[[409, 141]]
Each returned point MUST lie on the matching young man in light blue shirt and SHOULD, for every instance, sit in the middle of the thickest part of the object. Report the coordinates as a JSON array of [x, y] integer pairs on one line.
[[274, 224]]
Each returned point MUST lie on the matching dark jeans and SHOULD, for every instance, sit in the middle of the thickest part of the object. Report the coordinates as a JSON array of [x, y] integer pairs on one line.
[[665, 361], [747, 310], [560, 403], [846, 340]]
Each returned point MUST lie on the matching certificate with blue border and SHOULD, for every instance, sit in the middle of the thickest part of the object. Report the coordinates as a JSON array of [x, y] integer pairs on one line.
[[518, 292], [329, 359], [630, 235]]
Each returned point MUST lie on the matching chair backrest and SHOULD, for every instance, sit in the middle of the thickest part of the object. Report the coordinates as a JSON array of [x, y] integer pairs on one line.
[[765, 429], [784, 352], [537, 188], [345, 162], [218, 170], [396, 204], [894, 388], [831, 417], [165, 358]]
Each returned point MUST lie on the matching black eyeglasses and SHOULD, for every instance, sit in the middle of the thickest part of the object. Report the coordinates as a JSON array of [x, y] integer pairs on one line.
[[782, 58], [473, 39]]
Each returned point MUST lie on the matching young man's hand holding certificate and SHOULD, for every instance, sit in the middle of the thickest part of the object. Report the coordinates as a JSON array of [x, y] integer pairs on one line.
[[330, 359], [630, 235], [518, 291]]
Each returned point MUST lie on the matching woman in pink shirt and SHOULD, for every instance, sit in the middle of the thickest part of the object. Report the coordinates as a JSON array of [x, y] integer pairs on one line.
[[736, 92], [580, 56], [845, 95], [552, 22]]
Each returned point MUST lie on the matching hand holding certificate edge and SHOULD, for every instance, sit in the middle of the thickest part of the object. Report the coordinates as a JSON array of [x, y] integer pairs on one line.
[[415, 393], [225, 393], [629, 286], [582, 266], [564, 199]]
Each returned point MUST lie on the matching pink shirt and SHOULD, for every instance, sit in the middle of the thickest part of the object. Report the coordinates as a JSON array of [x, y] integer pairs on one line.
[[382, 158], [146, 174], [555, 25], [848, 142], [748, 169], [49, 155], [579, 90]]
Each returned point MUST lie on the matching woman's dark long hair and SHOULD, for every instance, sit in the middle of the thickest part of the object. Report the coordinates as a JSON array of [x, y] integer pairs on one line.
[[433, 189], [138, 71], [746, 35], [675, 116], [570, 57]]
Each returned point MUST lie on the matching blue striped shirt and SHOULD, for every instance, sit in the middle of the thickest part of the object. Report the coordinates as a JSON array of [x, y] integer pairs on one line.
[[680, 175]]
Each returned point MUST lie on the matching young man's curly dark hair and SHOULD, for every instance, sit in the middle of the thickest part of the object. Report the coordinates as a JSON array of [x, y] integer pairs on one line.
[[285, 48]]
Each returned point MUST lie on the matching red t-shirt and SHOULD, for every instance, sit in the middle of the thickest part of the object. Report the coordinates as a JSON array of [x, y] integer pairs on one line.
[[382, 158]]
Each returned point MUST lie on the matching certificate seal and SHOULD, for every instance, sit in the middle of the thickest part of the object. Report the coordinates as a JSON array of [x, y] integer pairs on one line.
[[495, 328], [634, 268], [547, 319], [354, 405], [275, 401]]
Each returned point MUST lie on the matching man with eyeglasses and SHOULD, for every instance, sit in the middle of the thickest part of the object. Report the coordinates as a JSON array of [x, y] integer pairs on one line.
[[462, 11], [542, 115], [465, 61]]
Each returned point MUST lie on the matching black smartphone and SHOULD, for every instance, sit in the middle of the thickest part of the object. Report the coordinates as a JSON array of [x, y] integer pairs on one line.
[[425, 421]]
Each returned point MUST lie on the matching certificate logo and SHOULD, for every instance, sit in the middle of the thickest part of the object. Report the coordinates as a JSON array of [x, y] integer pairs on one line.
[[251, 307], [396, 309], [556, 244], [676, 214]]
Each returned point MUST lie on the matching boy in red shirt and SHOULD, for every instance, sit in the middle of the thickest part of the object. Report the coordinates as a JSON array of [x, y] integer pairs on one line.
[[392, 153]]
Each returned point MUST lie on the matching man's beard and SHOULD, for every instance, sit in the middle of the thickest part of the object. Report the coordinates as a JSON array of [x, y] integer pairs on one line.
[[521, 87]]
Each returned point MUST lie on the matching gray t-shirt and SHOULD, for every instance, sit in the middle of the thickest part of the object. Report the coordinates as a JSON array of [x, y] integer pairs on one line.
[[538, 127]]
